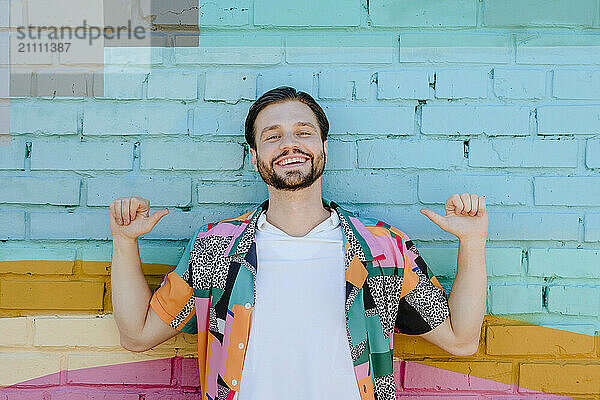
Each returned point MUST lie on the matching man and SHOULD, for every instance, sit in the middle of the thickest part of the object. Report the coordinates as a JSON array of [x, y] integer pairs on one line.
[[299, 298]]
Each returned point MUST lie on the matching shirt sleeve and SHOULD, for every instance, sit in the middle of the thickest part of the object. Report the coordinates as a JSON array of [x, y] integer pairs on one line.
[[173, 301], [423, 302]]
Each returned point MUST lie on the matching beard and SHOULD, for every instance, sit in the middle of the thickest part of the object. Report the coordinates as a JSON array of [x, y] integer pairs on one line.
[[295, 179]]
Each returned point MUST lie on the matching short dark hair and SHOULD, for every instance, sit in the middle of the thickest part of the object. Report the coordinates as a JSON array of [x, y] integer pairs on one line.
[[280, 95]]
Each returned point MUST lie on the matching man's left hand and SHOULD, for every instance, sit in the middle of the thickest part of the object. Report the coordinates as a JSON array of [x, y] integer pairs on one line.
[[466, 216]]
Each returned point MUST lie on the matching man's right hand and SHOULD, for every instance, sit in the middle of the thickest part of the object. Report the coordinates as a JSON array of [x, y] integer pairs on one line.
[[129, 217]]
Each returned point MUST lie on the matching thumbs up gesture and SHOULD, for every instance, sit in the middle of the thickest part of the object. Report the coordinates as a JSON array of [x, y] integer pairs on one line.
[[129, 217], [466, 216]]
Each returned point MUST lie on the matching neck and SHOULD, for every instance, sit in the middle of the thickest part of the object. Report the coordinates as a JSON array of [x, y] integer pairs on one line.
[[297, 212]]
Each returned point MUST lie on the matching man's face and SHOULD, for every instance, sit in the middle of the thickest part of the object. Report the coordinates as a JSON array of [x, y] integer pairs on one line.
[[289, 152]]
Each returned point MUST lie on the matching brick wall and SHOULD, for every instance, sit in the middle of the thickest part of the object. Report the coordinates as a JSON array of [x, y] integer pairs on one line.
[[500, 98]]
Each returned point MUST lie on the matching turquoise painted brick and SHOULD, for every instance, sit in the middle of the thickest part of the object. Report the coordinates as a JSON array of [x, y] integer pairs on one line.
[[148, 254], [12, 156], [592, 153], [397, 120], [334, 48], [592, 228], [232, 49], [436, 13], [300, 79], [170, 191], [341, 156], [75, 155], [576, 84], [498, 261], [70, 225], [231, 192], [539, 13], [230, 86], [461, 83], [119, 84], [344, 85], [568, 119], [172, 84], [224, 13], [405, 84], [397, 153], [37, 253], [512, 83], [383, 187], [134, 119], [307, 13], [58, 118], [516, 299], [39, 190], [474, 120], [522, 153], [567, 191], [181, 155], [565, 263], [12, 225], [442, 261], [574, 300], [556, 48], [220, 119], [497, 189], [134, 56], [455, 47], [533, 226]]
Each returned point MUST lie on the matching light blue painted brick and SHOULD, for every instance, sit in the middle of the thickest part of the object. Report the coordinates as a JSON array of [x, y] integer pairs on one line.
[[47, 155], [12, 225], [37, 253], [513, 299], [474, 120], [231, 192], [567, 190], [298, 79], [49, 118], [455, 47], [574, 300], [169, 191], [576, 84], [592, 153], [307, 13], [383, 188], [334, 48], [224, 13], [148, 254], [220, 119], [341, 155], [522, 153], [461, 83], [592, 228], [442, 261], [134, 119], [191, 156], [119, 84], [436, 13], [12, 156], [568, 119], [512, 83], [405, 84], [565, 263], [172, 84], [344, 85], [499, 261], [230, 86], [497, 189], [70, 225], [138, 56], [397, 153], [231, 49], [533, 226], [539, 13], [397, 120], [550, 48], [39, 190]]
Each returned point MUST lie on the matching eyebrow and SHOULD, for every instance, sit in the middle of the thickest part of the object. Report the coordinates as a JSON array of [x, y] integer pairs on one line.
[[299, 123]]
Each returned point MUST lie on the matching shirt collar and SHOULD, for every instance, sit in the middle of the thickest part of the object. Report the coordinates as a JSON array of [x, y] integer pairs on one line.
[[332, 220]]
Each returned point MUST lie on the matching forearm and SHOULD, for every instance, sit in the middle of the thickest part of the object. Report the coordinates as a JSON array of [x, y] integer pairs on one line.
[[130, 292], [468, 295]]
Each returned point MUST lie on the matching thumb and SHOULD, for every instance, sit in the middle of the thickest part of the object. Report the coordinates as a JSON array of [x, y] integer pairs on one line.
[[156, 216], [436, 218]]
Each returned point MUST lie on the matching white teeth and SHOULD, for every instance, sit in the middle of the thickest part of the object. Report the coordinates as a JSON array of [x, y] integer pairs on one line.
[[291, 160]]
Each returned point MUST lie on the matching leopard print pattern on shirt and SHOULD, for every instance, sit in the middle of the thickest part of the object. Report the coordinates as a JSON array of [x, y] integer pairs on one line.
[[429, 301], [385, 389], [183, 314], [376, 286], [205, 252]]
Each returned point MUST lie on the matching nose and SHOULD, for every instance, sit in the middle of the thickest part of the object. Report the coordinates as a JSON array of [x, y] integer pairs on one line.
[[288, 140]]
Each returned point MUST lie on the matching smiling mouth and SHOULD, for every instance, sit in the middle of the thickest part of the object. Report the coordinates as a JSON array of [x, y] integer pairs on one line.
[[292, 162]]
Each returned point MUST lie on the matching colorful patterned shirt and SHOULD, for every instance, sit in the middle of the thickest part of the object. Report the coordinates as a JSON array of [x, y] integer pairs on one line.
[[211, 293]]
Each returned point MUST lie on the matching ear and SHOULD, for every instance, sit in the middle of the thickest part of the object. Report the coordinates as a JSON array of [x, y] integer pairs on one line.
[[253, 158], [326, 149]]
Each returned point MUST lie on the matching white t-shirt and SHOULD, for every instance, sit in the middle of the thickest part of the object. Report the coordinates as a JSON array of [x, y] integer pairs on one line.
[[298, 347]]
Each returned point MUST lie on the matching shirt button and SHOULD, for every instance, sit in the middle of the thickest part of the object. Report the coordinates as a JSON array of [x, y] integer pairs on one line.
[[241, 345], [233, 382], [248, 305]]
